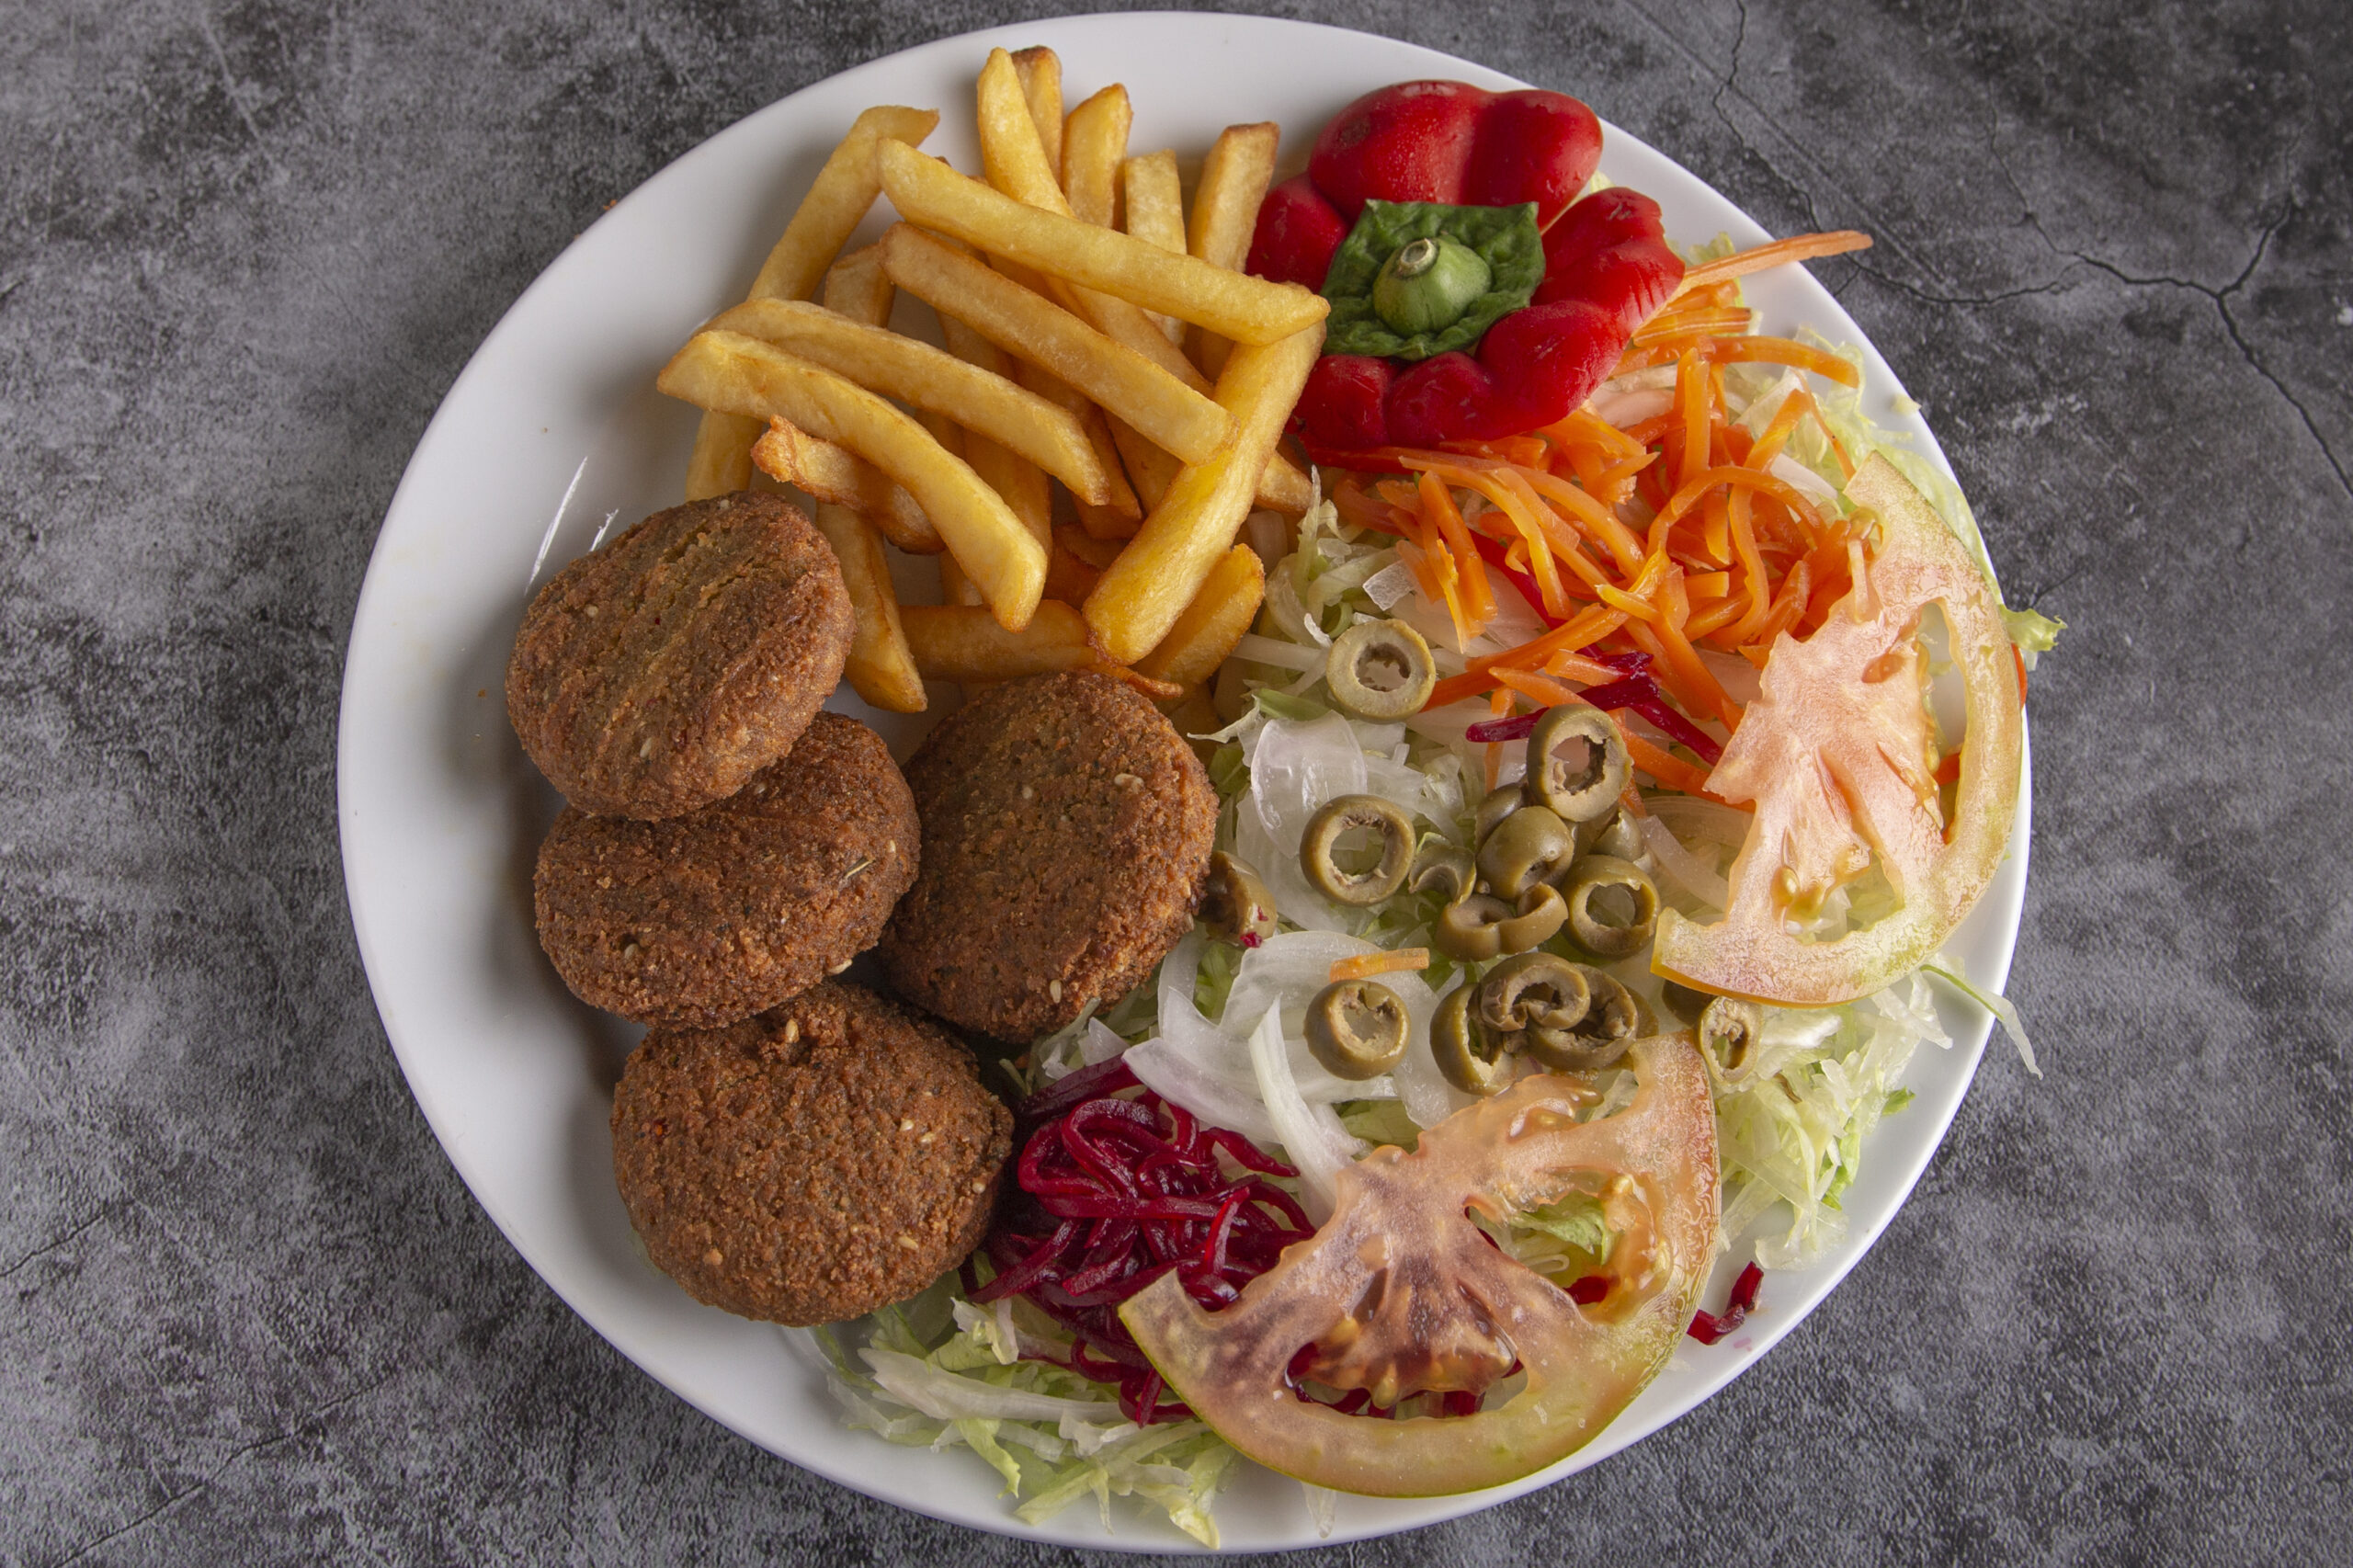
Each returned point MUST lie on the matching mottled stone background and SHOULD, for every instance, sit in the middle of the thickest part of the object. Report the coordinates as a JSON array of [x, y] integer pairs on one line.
[[249, 1313]]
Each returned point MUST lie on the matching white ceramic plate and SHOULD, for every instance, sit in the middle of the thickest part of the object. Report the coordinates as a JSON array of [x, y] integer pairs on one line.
[[553, 435]]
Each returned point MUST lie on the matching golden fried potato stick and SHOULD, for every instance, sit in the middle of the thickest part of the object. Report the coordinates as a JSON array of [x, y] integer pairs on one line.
[[916, 373], [1095, 141], [1205, 635], [1069, 579], [881, 666], [955, 588], [1282, 488], [1144, 591], [845, 189], [1234, 178], [1033, 328], [736, 374], [1118, 517], [789, 455], [722, 461], [1246, 309], [857, 287], [959, 643], [1039, 70], [1154, 199], [1021, 482]]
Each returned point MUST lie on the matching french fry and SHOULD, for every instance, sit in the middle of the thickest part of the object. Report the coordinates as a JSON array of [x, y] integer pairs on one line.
[[1069, 579], [1118, 517], [929, 378], [1282, 488], [1234, 178], [789, 455], [857, 287], [1246, 309], [1039, 70], [1035, 329], [720, 463], [962, 643], [1205, 635], [955, 588], [1097, 552], [1019, 481], [845, 189], [738, 374], [1144, 591], [1095, 140], [880, 668], [1154, 200]]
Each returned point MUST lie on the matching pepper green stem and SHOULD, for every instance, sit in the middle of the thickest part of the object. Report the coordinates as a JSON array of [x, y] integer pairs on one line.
[[1427, 286]]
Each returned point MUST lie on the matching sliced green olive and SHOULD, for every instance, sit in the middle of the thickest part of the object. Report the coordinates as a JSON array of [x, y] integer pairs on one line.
[[1613, 906], [1530, 845], [1468, 1061], [1320, 849], [1539, 918], [1727, 1030], [1493, 807], [1684, 1002], [1533, 991], [1356, 1028], [1612, 1018], [1470, 929], [1235, 905], [1380, 671], [1442, 870], [1621, 836], [1577, 761]]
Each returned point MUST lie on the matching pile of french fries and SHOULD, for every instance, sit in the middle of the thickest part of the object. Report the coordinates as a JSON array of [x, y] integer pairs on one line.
[[1095, 340]]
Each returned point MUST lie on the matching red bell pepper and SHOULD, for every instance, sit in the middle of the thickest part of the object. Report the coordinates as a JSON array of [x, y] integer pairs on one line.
[[1607, 263]]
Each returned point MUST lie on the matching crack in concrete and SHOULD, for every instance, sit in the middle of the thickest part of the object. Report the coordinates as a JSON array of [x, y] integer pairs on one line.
[[47, 1248]]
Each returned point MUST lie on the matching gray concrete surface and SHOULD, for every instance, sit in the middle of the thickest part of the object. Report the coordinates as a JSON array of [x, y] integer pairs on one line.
[[249, 1314]]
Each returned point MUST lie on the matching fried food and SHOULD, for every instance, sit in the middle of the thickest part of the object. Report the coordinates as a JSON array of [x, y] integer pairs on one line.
[[811, 1163], [697, 921], [952, 641], [881, 666], [789, 455], [1067, 829], [660, 672]]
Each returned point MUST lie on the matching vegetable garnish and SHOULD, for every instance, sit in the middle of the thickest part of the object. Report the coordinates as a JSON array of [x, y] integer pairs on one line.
[[1708, 1328], [1389, 962]]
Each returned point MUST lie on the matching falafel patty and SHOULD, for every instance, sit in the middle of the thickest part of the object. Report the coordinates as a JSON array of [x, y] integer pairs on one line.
[[697, 921], [811, 1163], [658, 674], [1066, 828]]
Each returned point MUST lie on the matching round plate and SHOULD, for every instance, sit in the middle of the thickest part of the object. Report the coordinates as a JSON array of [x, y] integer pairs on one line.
[[554, 435]]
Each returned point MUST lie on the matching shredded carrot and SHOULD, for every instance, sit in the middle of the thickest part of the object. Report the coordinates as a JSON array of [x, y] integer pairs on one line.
[[1664, 767], [1478, 599], [1550, 693], [1785, 351], [1759, 259], [1388, 960]]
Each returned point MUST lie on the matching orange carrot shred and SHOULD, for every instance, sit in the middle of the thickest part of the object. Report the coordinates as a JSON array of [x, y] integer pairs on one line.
[[1388, 960], [1777, 253]]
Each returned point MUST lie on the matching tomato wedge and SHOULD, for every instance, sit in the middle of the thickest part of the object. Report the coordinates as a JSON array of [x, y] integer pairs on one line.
[[1837, 756], [1401, 1293]]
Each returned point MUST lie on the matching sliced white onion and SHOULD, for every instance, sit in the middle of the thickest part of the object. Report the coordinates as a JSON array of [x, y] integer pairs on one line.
[[1310, 1134], [1683, 867], [1273, 651], [1803, 480], [1215, 1098], [1390, 584], [1100, 1044]]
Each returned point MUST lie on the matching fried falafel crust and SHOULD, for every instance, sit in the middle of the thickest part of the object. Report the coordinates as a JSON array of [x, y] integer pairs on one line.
[[658, 674], [699, 920], [813, 1163], [1067, 828]]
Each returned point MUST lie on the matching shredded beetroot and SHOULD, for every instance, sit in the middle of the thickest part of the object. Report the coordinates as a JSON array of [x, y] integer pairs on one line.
[[1635, 689], [1518, 727], [1710, 1328], [1117, 1192]]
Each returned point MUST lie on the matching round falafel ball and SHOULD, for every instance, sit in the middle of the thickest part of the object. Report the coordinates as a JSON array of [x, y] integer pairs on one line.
[[699, 920], [1067, 829], [660, 673], [813, 1163]]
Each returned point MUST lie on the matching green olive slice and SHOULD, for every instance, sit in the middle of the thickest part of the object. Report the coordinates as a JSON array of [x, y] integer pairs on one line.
[[1530, 845], [1235, 905], [1493, 807], [1613, 906], [1577, 761], [1444, 870], [1727, 1030], [1470, 929], [1380, 671], [1620, 837], [1533, 991], [1465, 1056], [1612, 1018], [1539, 918], [1356, 1028], [1319, 850]]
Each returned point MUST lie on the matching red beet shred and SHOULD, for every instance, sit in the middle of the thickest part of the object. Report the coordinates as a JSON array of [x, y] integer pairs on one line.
[[1710, 1328], [1635, 688], [1115, 1193]]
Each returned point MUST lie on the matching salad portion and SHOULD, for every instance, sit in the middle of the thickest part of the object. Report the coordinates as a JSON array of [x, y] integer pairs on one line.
[[1617, 739]]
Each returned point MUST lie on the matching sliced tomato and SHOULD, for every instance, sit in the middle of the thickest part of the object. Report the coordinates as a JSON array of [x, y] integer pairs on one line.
[[1400, 1293], [1839, 756]]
